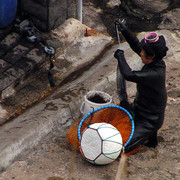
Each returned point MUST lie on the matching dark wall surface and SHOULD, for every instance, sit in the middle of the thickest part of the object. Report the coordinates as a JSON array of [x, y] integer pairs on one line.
[[48, 14]]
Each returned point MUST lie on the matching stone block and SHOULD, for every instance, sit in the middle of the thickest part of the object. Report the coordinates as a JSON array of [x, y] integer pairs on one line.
[[3, 65], [25, 65], [15, 54], [48, 14], [35, 9], [6, 80], [42, 2], [36, 56], [40, 24], [4, 32], [8, 43], [15, 72]]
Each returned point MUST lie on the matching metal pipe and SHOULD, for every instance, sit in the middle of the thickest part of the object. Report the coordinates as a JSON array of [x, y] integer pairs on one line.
[[79, 10], [117, 32]]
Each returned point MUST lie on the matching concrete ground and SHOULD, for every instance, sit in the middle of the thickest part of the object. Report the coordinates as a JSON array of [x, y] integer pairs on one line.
[[53, 157], [34, 146]]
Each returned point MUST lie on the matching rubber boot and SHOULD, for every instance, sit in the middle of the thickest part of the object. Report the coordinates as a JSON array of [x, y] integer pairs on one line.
[[152, 141], [141, 135]]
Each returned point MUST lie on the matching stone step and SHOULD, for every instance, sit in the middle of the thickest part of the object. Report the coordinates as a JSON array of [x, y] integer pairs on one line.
[[17, 59]]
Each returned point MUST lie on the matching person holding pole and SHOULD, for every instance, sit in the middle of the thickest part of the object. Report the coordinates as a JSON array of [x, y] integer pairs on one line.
[[149, 104]]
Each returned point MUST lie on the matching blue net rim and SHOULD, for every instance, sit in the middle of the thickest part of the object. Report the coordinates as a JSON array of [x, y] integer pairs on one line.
[[108, 106]]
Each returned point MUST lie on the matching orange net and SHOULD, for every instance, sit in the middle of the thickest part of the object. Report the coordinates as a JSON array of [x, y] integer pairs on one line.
[[114, 116]]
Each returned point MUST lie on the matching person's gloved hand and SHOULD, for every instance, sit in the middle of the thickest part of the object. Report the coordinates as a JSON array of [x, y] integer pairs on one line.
[[118, 53], [121, 26]]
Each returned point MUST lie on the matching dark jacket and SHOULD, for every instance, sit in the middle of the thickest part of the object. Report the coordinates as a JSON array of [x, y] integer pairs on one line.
[[150, 101]]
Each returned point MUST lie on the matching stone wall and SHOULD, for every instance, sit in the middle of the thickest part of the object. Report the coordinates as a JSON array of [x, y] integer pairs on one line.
[[145, 9], [48, 14]]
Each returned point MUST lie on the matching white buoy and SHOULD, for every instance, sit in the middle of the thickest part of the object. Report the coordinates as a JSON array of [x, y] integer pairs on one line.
[[101, 143]]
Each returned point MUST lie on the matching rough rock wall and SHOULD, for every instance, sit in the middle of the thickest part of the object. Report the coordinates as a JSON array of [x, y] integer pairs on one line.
[[167, 11], [145, 9], [176, 2], [48, 14]]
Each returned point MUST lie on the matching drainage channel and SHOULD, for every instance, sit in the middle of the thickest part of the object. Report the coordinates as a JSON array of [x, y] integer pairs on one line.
[[37, 89], [59, 110]]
